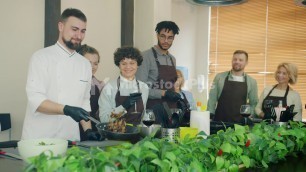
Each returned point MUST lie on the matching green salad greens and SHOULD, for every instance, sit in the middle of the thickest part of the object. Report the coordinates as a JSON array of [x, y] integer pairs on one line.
[[225, 151], [45, 144]]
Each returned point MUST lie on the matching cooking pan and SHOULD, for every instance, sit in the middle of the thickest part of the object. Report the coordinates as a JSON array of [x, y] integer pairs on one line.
[[131, 134]]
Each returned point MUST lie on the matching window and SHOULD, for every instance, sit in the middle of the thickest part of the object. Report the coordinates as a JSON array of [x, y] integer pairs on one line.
[[271, 31]]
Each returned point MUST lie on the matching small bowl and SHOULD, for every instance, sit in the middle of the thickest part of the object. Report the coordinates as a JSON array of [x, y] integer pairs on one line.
[[33, 147], [147, 131]]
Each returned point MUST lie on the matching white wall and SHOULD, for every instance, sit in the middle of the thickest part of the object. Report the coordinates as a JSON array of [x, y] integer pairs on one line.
[[103, 30], [22, 33], [190, 47]]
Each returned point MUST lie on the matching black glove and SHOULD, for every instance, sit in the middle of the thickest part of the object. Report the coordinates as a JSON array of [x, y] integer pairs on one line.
[[93, 135], [182, 105], [130, 101], [172, 96], [287, 116], [76, 113], [212, 116], [270, 115]]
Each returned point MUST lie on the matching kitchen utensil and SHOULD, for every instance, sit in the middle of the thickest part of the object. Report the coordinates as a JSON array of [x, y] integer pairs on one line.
[[174, 121], [10, 155], [165, 119], [131, 134], [9, 144], [170, 134], [136, 94], [93, 120], [273, 114]]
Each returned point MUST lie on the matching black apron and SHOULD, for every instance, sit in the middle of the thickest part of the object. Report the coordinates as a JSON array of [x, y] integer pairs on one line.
[[274, 101], [94, 97], [166, 78], [234, 94], [131, 117]]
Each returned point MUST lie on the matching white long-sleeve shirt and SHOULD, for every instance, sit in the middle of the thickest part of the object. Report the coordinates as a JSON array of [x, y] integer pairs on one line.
[[62, 77], [107, 103]]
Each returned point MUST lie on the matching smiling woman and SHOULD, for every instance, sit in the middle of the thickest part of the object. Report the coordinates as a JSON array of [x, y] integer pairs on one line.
[[285, 74], [118, 95]]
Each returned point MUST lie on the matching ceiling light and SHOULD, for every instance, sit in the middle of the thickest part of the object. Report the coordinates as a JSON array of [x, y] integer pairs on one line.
[[216, 2], [301, 3]]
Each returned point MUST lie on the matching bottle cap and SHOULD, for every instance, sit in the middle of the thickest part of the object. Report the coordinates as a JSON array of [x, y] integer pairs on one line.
[[199, 104]]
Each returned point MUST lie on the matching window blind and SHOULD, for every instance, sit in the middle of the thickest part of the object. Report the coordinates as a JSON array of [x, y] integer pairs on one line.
[[271, 31]]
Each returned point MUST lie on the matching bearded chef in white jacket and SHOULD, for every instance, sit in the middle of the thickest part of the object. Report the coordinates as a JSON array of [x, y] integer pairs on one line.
[[58, 84]]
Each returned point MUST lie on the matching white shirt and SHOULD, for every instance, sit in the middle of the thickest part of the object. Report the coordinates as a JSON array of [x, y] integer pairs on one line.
[[107, 103], [62, 77]]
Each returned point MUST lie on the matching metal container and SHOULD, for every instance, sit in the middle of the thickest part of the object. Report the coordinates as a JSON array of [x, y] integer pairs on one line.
[[148, 131], [171, 134], [280, 123]]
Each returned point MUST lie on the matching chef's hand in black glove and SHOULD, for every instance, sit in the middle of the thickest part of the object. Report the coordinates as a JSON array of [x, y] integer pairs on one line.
[[182, 105], [76, 113], [130, 101], [172, 96], [93, 135]]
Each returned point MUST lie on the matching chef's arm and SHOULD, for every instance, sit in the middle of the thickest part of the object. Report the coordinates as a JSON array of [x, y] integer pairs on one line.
[[258, 108], [51, 108], [213, 95]]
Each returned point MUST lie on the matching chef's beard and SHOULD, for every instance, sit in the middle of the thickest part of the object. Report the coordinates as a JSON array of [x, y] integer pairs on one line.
[[161, 47], [70, 45]]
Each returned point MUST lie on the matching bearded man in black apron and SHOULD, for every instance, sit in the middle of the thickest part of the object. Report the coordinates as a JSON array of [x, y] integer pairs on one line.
[[158, 70], [232, 89]]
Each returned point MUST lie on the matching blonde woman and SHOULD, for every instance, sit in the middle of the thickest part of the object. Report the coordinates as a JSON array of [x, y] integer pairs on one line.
[[285, 75], [185, 95]]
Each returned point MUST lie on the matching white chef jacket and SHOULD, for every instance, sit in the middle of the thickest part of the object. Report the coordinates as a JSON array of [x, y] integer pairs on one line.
[[107, 103], [62, 77]]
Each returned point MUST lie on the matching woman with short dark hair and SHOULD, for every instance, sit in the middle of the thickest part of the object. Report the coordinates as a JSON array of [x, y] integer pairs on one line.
[[124, 95]]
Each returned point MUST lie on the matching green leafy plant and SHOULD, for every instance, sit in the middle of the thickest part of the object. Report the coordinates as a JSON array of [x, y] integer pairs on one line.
[[225, 151]]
